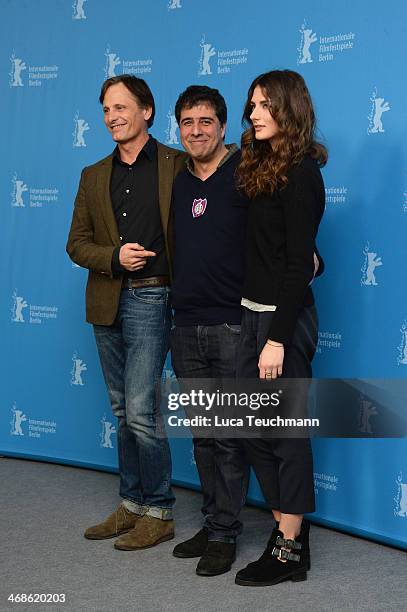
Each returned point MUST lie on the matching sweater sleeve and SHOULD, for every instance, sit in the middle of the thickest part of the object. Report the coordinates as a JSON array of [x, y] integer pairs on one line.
[[302, 203]]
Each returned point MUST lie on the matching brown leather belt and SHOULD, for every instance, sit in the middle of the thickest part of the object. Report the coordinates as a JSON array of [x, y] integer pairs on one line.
[[150, 281]]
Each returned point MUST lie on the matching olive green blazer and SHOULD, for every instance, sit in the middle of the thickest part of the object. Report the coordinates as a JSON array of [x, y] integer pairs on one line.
[[94, 235]]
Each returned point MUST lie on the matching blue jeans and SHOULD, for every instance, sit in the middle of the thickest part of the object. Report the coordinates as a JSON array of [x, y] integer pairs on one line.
[[210, 352], [132, 352]]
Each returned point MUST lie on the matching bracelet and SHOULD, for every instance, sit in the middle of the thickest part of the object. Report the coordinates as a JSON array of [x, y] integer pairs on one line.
[[271, 343]]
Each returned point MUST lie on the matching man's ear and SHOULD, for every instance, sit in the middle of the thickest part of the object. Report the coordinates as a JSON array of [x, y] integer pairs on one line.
[[148, 111]]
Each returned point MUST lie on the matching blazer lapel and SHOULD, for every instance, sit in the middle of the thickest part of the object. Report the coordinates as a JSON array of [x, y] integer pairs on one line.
[[104, 200], [166, 161]]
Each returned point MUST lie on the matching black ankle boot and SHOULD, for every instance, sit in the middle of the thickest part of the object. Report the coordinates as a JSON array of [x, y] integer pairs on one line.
[[194, 547], [304, 539], [268, 570], [217, 559]]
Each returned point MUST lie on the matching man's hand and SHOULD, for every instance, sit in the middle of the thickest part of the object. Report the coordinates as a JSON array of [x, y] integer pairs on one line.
[[132, 256]]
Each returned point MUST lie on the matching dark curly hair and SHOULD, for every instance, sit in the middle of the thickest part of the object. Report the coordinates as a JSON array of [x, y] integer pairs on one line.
[[198, 94], [264, 165]]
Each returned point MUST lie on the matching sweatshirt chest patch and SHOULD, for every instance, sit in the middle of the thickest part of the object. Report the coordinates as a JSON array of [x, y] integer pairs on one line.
[[198, 207]]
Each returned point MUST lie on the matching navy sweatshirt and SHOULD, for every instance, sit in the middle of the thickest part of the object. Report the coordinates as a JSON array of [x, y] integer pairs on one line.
[[210, 219]]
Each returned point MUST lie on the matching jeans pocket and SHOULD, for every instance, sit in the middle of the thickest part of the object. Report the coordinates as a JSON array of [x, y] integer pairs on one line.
[[150, 295], [234, 329]]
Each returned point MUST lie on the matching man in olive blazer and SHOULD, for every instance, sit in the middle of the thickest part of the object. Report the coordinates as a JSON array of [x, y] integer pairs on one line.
[[94, 234], [120, 232]]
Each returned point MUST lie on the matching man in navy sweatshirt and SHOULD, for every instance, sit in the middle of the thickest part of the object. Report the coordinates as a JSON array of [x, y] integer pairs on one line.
[[210, 217]]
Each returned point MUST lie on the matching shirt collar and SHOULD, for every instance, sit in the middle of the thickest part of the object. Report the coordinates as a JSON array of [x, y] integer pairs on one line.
[[149, 150], [232, 148]]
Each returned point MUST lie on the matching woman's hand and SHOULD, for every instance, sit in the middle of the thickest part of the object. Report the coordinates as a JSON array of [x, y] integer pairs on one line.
[[271, 360]]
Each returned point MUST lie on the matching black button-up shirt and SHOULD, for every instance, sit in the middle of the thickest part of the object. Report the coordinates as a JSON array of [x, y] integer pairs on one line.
[[134, 195]]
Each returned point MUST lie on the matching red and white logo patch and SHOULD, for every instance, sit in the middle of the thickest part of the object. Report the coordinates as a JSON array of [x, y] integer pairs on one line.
[[198, 207]]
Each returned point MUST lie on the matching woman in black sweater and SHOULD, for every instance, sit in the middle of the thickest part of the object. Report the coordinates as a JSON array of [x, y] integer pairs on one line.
[[279, 171]]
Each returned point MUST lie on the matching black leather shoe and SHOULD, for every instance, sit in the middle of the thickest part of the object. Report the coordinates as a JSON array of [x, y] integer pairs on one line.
[[194, 547], [269, 570], [217, 559]]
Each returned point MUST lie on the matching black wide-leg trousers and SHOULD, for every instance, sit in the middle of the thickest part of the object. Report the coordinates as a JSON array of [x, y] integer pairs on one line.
[[283, 466]]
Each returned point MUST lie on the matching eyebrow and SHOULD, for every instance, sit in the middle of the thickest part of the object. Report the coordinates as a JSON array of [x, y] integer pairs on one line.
[[199, 118], [113, 105]]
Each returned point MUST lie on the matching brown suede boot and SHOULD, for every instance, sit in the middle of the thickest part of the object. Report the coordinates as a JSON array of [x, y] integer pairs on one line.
[[120, 521], [147, 532]]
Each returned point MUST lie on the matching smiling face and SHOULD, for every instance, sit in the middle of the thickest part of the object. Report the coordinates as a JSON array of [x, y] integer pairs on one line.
[[201, 132], [123, 117], [265, 127]]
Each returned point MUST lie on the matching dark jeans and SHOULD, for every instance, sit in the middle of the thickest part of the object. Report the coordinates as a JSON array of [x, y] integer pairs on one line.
[[283, 467], [132, 353], [210, 352]]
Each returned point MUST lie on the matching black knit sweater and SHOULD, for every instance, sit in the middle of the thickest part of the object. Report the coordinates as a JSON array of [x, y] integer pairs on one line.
[[280, 246]]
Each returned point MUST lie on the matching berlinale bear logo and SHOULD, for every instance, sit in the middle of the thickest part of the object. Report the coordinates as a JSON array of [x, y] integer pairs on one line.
[[18, 418], [106, 434], [401, 497]]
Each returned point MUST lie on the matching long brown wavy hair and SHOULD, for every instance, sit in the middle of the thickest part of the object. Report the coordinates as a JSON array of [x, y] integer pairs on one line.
[[264, 165]]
